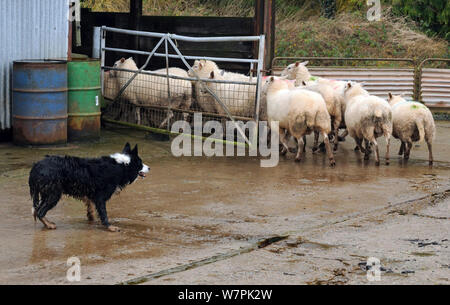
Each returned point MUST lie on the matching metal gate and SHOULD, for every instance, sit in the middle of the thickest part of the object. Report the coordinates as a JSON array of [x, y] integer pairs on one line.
[[158, 98]]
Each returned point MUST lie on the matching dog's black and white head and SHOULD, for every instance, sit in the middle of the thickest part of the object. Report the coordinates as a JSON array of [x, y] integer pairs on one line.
[[132, 162]]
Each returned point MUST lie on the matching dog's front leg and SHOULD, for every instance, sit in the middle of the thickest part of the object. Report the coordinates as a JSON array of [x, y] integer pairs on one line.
[[101, 210]]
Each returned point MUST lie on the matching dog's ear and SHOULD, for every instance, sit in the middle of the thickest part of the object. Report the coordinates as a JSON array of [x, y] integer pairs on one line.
[[135, 150], [126, 148]]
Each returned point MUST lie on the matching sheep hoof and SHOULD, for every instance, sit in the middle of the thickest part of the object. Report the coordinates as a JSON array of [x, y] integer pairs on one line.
[[332, 163], [298, 159], [292, 150], [387, 162], [430, 163], [314, 149], [335, 148], [377, 163], [283, 151], [356, 148], [341, 139]]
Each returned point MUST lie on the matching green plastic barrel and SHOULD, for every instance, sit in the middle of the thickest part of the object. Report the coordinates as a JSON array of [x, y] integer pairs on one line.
[[84, 99]]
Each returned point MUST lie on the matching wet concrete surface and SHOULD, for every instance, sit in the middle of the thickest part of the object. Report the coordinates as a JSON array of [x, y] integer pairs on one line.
[[190, 213]]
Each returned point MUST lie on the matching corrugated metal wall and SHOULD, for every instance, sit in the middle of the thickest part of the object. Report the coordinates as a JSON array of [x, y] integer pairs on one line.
[[378, 81], [435, 87], [29, 29]]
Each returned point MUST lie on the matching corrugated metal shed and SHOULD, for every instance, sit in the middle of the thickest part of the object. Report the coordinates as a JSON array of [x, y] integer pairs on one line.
[[30, 29]]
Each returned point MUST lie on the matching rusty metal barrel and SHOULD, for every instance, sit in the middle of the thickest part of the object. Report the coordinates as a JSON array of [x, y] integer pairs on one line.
[[84, 99], [39, 107]]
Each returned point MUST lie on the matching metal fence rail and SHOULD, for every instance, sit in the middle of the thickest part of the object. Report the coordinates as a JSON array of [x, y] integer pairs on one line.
[[428, 85], [435, 84]]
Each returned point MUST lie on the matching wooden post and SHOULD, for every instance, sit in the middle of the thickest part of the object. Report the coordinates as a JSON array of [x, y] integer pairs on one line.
[[264, 21], [135, 21]]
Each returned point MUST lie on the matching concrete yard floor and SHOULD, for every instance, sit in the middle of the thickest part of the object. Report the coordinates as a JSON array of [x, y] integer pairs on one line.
[[199, 220]]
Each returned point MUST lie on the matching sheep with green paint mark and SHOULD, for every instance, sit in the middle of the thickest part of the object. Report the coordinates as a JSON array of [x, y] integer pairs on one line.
[[412, 122]]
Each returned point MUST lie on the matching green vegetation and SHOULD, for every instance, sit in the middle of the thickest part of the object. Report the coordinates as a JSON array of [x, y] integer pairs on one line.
[[408, 28], [433, 16]]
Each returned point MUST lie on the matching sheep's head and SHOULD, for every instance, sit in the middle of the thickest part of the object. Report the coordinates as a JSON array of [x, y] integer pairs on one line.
[[353, 89], [124, 64], [117, 64], [394, 99], [297, 71], [275, 83], [197, 66], [203, 68]]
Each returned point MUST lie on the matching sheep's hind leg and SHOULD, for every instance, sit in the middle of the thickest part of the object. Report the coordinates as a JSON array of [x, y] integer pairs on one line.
[[388, 144], [407, 151], [138, 115], [341, 138], [359, 146], [336, 135], [316, 141], [283, 141], [166, 120], [402, 149], [328, 148], [430, 153], [368, 150], [377, 152], [300, 149]]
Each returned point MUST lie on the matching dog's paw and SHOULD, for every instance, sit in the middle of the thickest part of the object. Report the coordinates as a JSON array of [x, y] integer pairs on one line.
[[50, 226], [113, 229]]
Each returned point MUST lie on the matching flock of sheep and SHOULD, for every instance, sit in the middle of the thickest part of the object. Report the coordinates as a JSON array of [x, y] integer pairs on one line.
[[300, 102]]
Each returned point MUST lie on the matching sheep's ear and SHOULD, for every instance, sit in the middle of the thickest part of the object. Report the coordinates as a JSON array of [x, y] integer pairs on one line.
[[349, 85], [200, 65], [304, 63], [303, 83], [211, 75], [390, 96], [272, 79], [297, 63], [122, 60]]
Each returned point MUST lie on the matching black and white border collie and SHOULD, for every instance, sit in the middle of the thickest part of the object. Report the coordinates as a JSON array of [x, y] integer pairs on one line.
[[93, 181]]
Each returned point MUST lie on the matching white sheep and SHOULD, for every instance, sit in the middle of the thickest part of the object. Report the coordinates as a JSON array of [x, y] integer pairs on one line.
[[239, 98], [298, 72], [333, 98], [110, 86], [203, 69], [331, 91], [412, 121], [298, 111], [367, 117], [151, 90]]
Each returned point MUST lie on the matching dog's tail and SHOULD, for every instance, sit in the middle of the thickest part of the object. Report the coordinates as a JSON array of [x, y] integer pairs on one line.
[[34, 193]]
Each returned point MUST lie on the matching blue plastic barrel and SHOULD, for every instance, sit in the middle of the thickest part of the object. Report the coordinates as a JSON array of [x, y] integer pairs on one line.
[[39, 107]]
